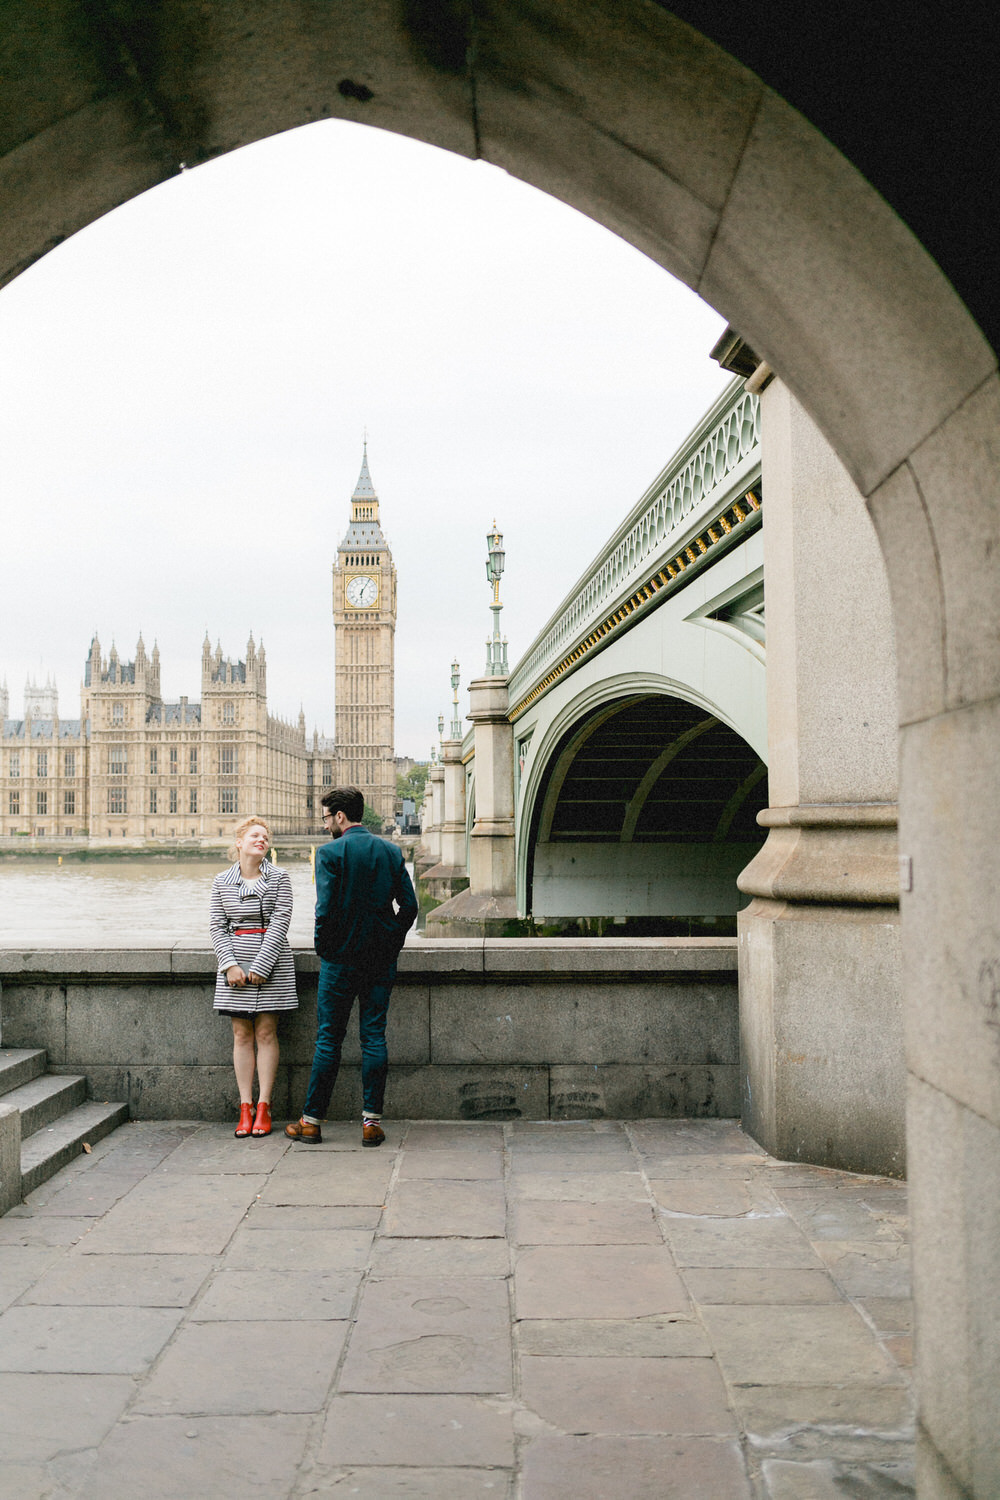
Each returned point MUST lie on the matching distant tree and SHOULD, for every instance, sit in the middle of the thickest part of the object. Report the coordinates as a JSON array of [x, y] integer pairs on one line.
[[371, 819], [412, 786]]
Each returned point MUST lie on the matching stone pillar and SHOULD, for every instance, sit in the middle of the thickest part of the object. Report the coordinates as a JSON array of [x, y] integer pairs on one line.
[[429, 853], [488, 908], [820, 992], [453, 827], [449, 876]]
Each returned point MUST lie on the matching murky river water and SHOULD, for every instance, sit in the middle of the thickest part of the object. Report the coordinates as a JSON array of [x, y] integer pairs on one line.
[[134, 902]]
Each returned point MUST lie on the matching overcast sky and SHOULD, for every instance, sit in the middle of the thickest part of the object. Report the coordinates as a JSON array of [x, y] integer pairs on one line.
[[185, 384]]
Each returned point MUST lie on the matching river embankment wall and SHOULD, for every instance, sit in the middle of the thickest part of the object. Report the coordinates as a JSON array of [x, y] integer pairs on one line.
[[501, 1028]]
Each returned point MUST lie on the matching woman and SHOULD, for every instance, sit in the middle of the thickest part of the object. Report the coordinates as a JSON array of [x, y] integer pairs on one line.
[[250, 913]]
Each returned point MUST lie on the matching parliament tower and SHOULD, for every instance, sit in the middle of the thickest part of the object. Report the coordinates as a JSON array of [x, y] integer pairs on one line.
[[364, 619]]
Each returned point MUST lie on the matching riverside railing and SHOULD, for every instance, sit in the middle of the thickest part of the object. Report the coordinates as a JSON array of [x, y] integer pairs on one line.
[[706, 498]]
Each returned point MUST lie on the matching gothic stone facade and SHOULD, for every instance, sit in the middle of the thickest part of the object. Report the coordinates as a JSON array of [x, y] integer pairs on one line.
[[133, 767]]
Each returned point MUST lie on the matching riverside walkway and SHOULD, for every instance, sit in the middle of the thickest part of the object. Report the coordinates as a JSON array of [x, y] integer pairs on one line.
[[651, 1311]]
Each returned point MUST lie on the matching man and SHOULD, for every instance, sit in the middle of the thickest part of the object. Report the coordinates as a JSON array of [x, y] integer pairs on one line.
[[364, 907]]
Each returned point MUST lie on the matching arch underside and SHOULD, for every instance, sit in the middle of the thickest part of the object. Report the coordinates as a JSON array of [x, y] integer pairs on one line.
[[646, 815]]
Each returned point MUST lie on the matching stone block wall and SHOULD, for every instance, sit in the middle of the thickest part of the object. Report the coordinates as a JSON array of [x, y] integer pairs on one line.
[[478, 1029]]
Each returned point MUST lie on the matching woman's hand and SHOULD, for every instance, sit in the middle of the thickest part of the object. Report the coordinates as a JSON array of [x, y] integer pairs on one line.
[[253, 978], [235, 977]]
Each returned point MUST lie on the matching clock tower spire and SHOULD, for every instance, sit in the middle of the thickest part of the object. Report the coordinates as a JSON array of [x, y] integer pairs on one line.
[[364, 621]]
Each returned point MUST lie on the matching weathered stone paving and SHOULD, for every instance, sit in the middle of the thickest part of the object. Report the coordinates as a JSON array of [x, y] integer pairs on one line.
[[594, 1310]]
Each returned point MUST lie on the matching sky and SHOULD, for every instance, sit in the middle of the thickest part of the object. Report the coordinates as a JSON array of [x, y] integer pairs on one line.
[[185, 386]]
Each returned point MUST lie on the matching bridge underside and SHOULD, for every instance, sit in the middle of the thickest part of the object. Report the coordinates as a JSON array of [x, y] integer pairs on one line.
[[647, 816]]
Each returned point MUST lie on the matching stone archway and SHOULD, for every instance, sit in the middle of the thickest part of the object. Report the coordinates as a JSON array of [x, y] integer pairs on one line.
[[639, 121]]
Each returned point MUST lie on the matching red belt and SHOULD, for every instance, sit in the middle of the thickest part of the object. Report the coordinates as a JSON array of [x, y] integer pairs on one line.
[[241, 931]]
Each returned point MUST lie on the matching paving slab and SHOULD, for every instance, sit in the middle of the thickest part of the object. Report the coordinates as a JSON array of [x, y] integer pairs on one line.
[[335, 1179], [663, 1337], [699, 1168], [410, 1484], [868, 1268], [291, 1218], [449, 1135], [826, 1480], [619, 1160], [276, 1296], [746, 1243], [308, 1250], [214, 1149], [225, 1458], [432, 1335], [815, 1345], [234, 1369], [42, 1416], [439, 1257], [466, 1210], [534, 1222], [642, 1468], [183, 1215], [693, 1137], [418, 1431], [775, 1286], [719, 1198], [20, 1268], [84, 1340], [579, 1187], [463, 1165], [596, 1281], [89, 1195], [823, 1417], [626, 1395], [121, 1280], [23, 1227]]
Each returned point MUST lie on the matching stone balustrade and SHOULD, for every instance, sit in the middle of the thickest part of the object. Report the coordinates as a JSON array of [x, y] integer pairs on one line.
[[478, 1029]]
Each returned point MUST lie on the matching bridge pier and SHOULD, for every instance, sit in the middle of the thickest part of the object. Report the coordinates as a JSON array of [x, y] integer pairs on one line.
[[488, 907], [449, 876], [820, 989]]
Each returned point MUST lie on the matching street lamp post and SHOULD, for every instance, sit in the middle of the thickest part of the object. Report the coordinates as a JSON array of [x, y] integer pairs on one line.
[[496, 647], [456, 727]]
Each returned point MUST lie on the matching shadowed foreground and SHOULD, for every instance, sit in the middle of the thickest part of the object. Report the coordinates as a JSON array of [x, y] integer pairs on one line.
[[588, 1310]]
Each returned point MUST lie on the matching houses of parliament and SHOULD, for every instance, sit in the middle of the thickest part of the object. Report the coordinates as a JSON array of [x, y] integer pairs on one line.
[[134, 767]]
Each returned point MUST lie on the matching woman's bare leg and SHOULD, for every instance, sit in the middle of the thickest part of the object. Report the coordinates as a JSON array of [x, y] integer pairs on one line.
[[266, 1030], [243, 1056]]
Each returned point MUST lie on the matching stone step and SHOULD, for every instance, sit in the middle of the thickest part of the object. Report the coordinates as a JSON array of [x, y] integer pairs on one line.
[[20, 1065], [52, 1147], [45, 1099]]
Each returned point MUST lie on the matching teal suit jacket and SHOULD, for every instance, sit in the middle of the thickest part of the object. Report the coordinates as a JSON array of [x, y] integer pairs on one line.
[[365, 902]]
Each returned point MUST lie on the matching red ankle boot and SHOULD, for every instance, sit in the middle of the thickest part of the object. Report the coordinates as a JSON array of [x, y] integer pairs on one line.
[[245, 1125]]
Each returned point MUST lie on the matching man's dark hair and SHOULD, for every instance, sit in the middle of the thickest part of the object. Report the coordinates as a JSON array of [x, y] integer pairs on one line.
[[346, 799]]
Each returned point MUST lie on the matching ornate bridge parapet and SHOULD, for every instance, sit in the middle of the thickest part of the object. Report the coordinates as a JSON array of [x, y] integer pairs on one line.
[[705, 500]]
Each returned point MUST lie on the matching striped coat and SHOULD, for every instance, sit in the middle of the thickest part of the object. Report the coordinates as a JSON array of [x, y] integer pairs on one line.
[[268, 953]]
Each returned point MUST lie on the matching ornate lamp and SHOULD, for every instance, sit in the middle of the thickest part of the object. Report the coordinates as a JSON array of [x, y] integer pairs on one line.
[[496, 646], [456, 727]]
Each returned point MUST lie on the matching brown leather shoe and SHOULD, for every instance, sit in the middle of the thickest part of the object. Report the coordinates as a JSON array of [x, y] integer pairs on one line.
[[246, 1120], [304, 1131], [372, 1133], [262, 1120]]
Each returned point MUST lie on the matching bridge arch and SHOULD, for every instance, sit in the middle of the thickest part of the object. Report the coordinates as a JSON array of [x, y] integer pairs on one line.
[[640, 121], [643, 810]]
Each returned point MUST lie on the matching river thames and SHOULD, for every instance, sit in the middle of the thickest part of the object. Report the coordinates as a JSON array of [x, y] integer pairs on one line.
[[123, 903]]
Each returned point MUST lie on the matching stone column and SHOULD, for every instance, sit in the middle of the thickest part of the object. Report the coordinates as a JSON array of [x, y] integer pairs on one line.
[[453, 827], [429, 853], [820, 993], [488, 908], [449, 876]]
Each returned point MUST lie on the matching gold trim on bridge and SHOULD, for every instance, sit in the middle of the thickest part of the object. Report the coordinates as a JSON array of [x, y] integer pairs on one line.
[[734, 516]]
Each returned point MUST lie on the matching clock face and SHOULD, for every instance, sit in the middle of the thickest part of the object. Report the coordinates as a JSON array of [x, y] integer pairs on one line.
[[362, 592]]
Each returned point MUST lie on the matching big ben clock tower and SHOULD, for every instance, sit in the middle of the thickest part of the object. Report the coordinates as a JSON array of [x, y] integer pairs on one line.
[[364, 621]]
